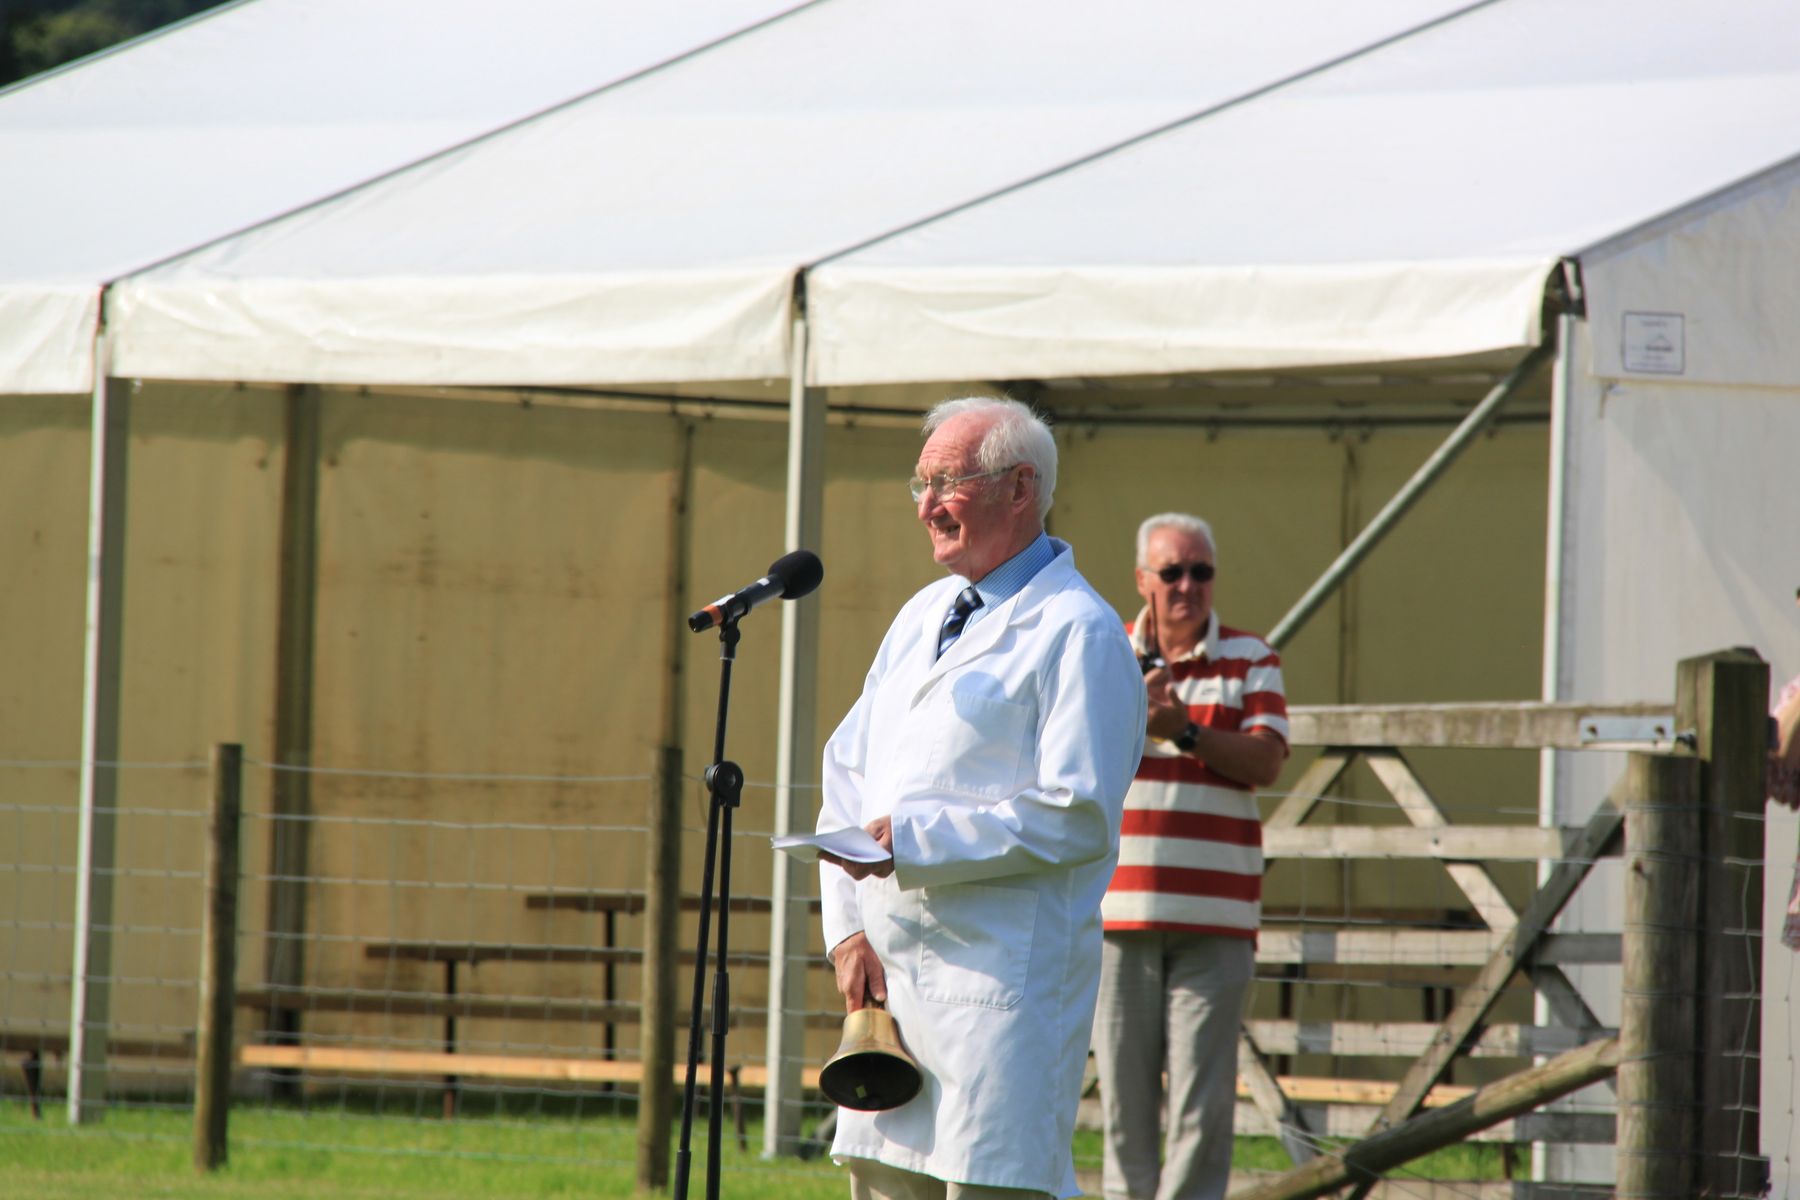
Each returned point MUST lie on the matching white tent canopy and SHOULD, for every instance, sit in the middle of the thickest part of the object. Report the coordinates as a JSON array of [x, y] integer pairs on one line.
[[1405, 205], [653, 233], [255, 109], [1004, 190]]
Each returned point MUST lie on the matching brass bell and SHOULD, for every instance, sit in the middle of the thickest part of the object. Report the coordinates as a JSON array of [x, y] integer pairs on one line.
[[871, 1069]]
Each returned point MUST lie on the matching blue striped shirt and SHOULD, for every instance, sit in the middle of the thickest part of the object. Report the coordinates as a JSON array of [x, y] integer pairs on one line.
[[1010, 577]]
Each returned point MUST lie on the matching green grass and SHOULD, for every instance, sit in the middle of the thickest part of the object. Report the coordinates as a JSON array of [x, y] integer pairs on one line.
[[290, 1155], [349, 1149]]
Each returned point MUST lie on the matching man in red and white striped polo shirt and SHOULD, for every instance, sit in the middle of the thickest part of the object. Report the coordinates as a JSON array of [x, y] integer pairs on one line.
[[1185, 901]]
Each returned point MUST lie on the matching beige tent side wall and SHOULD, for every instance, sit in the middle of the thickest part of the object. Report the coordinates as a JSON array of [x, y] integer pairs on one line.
[[1451, 609], [43, 551], [203, 491], [492, 655], [490, 638]]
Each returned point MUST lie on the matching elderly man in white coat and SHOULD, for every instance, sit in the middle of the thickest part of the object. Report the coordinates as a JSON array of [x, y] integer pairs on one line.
[[990, 753]]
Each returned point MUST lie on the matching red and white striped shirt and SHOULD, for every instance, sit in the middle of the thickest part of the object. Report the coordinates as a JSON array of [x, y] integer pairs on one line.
[[1190, 849]]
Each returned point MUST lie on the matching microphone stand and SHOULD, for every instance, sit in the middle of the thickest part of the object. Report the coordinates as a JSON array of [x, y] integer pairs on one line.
[[725, 780]]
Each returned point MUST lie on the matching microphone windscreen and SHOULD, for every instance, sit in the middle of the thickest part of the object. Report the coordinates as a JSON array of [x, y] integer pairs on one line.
[[799, 572]]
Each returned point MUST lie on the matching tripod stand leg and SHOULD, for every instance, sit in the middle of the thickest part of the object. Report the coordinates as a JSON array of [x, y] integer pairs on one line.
[[683, 1153], [725, 780]]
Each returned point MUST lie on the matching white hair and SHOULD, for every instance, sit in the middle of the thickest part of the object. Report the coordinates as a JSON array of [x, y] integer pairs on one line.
[[1184, 522], [1017, 435]]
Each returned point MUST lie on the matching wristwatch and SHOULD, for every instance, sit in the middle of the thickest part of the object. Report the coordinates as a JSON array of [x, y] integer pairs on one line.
[[1187, 739]]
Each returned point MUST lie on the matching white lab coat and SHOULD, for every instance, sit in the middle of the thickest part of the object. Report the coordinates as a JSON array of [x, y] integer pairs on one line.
[[1004, 767]]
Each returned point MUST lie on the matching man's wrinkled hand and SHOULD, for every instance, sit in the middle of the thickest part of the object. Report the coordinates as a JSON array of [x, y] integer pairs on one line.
[[860, 977], [882, 830]]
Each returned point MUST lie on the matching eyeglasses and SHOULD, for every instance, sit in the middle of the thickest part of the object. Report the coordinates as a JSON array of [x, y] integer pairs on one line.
[[946, 486], [1198, 572]]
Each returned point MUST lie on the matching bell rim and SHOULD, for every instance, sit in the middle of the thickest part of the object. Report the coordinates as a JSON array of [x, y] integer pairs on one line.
[[907, 1069], [871, 1033]]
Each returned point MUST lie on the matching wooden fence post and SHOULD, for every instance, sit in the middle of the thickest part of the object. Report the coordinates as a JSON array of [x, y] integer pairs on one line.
[[1723, 698], [662, 886], [662, 915], [218, 962], [1658, 1036]]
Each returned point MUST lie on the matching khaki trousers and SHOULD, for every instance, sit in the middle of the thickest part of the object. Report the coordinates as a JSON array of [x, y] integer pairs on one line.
[[1169, 1001], [871, 1180]]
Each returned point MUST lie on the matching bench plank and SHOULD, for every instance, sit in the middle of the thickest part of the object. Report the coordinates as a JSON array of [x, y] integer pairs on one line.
[[476, 953], [1302, 1089], [632, 903], [486, 1066], [372, 1003]]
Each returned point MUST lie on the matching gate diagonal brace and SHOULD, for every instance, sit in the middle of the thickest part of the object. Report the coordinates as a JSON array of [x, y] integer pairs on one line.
[[1603, 828]]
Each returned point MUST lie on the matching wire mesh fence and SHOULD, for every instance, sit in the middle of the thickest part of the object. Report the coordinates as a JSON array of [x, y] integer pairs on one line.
[[470, 950], [495, 920]]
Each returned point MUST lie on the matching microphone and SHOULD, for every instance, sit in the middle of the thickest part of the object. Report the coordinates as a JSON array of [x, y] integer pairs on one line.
[[790, 577]]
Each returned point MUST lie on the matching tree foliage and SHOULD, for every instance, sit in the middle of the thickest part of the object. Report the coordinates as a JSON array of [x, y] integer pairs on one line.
[[36, 35]]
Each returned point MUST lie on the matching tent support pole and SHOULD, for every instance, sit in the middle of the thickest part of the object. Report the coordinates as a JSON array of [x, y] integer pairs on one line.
[[796, 765], [90, 1001], [1555, 540], [290, 833], [1423, 478], [1556, 536]]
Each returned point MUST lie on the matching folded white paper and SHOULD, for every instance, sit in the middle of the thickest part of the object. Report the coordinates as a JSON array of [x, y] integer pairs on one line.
[[852, 845]]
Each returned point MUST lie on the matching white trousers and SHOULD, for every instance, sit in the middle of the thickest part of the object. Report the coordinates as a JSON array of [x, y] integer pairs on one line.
[[871, 1180], [1169, 1001]]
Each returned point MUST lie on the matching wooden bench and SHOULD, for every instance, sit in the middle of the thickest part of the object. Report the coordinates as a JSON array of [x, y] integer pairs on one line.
[[608, 955], [453, 1066], [451, 1006], [466, 1007], [32, 1047], [552, 1068], [614, 904], [410, 1063], [633, 903], [565, 1069]]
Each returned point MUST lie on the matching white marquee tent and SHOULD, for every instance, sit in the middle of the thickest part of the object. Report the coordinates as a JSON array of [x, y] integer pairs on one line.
[[1046, 194], [648, 232], [264, 106], [1409, 204], [653, 233]]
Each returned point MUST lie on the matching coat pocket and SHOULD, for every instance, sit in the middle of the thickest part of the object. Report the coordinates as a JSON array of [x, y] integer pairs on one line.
[[976, 743], [975, 947]]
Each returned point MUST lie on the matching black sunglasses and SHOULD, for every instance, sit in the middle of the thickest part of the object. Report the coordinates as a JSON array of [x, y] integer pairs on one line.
[[1198, 572]]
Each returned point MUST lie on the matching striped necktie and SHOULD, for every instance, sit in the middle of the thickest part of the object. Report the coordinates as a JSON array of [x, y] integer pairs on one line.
[[967, 601]]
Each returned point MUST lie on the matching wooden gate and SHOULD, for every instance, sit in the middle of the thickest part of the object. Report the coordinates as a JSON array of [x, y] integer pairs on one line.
[[1716, 730]]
